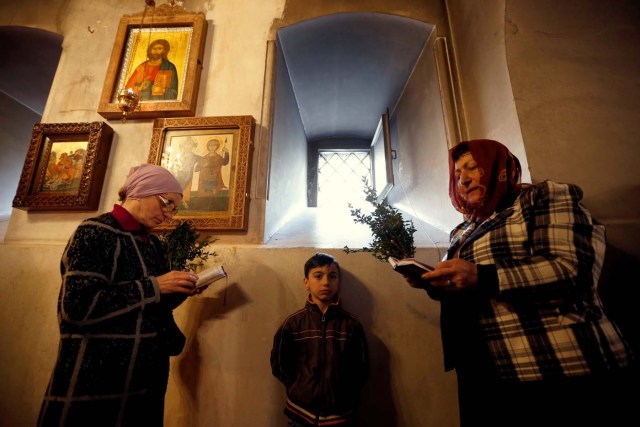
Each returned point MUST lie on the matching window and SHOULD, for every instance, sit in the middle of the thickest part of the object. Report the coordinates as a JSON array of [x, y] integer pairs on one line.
[[335, 170], [340, 176]]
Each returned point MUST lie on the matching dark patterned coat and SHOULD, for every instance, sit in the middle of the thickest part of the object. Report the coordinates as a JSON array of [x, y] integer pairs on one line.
[[116, 331]]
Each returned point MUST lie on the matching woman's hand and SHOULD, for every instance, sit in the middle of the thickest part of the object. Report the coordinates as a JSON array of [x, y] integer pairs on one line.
[[415, 283], [178, 281], [454, 274]]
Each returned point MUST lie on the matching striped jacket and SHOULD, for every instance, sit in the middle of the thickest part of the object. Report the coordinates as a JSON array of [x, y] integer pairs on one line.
[[323, 361], [545, 318]]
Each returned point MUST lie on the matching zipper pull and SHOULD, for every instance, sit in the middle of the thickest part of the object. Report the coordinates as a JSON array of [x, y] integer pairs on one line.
[[323, 319]]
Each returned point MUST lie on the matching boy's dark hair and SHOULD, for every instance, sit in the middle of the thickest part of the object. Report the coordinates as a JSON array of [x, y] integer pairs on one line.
[[319, 260]]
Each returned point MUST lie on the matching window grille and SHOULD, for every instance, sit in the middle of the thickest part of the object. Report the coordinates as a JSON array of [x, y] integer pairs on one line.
[[340, 177]]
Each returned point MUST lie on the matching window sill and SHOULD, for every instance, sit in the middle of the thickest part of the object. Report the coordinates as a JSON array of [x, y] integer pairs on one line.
[[333, 228]]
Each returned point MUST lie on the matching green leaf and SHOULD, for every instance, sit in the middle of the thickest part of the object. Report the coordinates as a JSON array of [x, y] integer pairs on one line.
[[184, 248], [392, 234]]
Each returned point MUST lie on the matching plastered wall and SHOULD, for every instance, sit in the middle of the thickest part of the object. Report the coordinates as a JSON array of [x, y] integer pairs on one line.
[[575, 79], [223, 377], [236, 45]]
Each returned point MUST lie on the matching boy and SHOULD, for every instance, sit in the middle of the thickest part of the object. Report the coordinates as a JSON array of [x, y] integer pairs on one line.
[[320, 353]]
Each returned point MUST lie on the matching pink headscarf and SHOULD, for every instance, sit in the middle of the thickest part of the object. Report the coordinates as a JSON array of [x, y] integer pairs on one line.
[[500, 175], [148, 180]]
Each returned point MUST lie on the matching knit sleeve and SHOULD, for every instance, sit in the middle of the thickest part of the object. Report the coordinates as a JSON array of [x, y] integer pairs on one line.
[[172, 300], [89, 294]]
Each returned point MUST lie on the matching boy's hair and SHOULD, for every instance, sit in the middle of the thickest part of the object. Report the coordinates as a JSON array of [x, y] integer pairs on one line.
[[319, 260]]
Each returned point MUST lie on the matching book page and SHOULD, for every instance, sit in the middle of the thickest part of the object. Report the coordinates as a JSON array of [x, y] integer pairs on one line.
[[409, 267], [210, 275]]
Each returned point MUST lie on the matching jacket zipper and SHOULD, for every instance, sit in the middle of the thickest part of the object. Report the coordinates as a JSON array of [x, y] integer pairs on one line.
[[323, 360]]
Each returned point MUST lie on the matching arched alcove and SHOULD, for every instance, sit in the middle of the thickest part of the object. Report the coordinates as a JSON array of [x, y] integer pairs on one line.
[[30, 60], [335, 76]]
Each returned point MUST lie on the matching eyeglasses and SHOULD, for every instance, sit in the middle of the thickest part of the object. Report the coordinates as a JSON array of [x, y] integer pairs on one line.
[[168, 204]]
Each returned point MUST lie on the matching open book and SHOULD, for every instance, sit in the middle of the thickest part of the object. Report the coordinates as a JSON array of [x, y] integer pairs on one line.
[[210, 275], [409, 267]]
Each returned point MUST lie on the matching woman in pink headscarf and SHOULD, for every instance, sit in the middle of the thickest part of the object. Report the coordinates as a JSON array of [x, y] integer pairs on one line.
[[115, 312], [521, 320]]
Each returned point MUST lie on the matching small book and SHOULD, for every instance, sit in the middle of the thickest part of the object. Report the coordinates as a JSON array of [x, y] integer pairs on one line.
[[163, 78], [210, 275], [409, 267], [161, 82]]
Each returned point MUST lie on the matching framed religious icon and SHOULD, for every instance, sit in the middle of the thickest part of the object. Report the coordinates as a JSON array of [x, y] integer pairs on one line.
[[211, 158], [65, 167], [157, 55]]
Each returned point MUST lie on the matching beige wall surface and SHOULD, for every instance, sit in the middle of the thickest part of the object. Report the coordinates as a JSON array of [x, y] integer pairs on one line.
[[490, 110], [574, 67], [223, 377], [29, 284], [235, 45]]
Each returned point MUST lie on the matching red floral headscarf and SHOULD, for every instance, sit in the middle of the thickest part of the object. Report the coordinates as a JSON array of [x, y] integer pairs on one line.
[[500, 175]]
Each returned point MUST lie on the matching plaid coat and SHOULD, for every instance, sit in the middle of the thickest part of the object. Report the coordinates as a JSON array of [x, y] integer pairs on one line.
[[116, 331], [546, 319]]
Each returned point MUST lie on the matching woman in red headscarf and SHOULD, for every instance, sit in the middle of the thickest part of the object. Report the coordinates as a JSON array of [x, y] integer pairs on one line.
[[115, 312], [521, 320]]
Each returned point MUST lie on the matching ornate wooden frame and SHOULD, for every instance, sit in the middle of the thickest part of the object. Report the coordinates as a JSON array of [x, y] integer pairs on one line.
[[163, 19], [221, 209], [80, 187]]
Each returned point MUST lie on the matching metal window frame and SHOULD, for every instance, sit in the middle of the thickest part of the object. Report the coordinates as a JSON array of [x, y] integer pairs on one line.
[[313, 152]]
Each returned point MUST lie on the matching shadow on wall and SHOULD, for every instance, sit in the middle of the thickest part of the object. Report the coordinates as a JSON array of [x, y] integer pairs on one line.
[[4, 222], [194, 373], [620, 294], [377, 406], [203, 309]]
